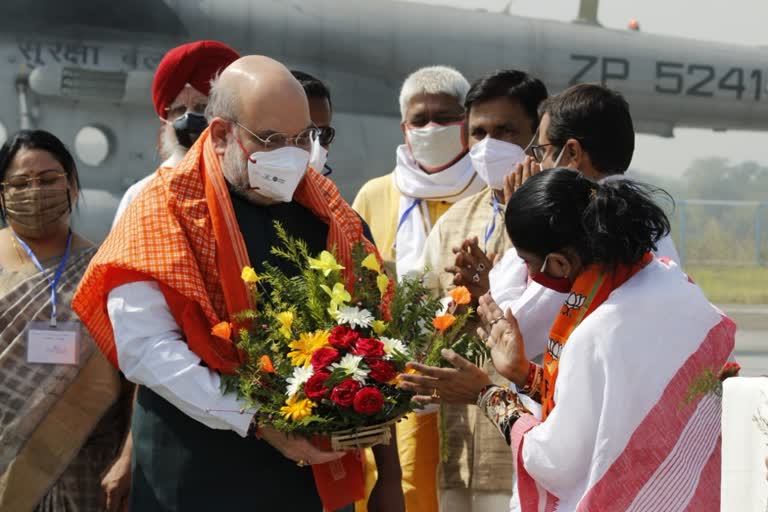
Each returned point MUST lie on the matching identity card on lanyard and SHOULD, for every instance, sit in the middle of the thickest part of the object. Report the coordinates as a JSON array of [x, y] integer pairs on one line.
[[52, 342]]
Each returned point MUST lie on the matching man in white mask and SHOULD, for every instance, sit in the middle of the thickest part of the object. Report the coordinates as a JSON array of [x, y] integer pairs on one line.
[[432, 170], [502, 118], [170, 271], [587, 128], [179, 94]]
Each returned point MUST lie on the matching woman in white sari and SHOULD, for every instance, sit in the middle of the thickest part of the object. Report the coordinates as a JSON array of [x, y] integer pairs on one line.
[[621, 425], [64, 410]]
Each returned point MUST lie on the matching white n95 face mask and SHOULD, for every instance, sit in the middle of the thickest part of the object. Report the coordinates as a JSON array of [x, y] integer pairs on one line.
[[318, 157], [493, 159], [276, 174], [436, 146]]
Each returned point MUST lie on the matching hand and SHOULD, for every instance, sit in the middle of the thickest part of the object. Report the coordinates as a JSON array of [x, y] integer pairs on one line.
[[520, 175], [297, 448], [387, 496], [116, 484], [501, 333], [471, 268], [458, 385]]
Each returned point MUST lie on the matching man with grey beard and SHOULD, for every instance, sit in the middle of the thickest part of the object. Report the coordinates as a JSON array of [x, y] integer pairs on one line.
[[180, 94], [170, 270]]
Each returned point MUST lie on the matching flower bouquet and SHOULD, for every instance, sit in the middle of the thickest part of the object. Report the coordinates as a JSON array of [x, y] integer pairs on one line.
[[324, 352]]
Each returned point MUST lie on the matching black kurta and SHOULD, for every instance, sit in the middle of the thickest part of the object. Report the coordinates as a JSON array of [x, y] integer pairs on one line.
[[179, 464]]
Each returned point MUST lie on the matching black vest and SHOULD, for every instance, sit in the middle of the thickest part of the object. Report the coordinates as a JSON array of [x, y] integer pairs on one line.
[[179, 464]]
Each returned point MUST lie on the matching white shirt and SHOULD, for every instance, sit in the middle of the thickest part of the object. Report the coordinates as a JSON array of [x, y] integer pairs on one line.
[[534, 306], [137, 187], [151, 351]]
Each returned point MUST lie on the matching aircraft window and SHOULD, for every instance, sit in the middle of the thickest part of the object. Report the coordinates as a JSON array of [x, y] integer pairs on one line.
[[92, 145], [3, 134]]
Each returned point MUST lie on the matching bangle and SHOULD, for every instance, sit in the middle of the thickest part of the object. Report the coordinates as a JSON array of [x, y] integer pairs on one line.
[[533, 382], [483, 395]]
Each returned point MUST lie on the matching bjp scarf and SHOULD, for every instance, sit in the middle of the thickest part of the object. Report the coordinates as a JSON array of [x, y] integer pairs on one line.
[[589, 291]]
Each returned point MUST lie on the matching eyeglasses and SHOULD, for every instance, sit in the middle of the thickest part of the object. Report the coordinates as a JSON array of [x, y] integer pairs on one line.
[[302, 140], [539, 151], [175, 112], [325, 135], [44, 179]]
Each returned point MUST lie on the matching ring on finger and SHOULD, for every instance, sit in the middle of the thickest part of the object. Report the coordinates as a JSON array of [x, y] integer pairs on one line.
[[495, 320]]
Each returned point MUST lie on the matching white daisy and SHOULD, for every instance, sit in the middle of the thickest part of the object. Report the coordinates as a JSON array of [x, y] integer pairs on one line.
[[351, 366], [301, 375], [392, 345], [354, 317]]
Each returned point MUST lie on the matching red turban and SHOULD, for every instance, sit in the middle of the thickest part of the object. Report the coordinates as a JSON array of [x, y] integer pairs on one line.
[[192, 63]]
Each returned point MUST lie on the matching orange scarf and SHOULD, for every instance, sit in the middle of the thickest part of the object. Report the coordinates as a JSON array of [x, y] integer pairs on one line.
[[591, 289], [181, 232]]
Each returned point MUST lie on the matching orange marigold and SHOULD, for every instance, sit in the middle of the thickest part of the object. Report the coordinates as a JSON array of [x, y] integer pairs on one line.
[[443, 322], [222, 330], [461, 295], [266, 364]]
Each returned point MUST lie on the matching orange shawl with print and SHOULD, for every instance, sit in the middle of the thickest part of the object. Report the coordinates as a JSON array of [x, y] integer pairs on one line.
[[589, 291], [181, 232]]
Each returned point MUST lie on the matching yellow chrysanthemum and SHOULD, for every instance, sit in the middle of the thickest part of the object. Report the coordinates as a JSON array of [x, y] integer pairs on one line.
[[297, 410], [286, 322], [371, 263], [306, 345], [379, 327], [249, 275], [382, 282], [327, 263]]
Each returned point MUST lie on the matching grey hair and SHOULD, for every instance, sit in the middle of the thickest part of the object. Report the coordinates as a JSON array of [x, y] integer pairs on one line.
[[222, 103], [433, 80]]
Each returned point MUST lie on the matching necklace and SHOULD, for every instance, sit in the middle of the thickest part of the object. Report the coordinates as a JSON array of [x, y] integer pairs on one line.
[[17, 248]]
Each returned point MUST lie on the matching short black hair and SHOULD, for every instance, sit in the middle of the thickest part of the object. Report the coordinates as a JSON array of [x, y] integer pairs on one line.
[[44, 141], [509, 83], [313, 87], [608, 223], [599, 119]]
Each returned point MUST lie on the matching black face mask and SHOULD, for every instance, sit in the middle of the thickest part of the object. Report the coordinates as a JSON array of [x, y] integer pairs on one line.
[[189, 127]]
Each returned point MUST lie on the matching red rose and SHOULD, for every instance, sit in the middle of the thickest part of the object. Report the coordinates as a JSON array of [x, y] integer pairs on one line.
[[369, 347], [381, 371], [315, 388], [343, 338], [323, 357], [344, 392], [369, 401]]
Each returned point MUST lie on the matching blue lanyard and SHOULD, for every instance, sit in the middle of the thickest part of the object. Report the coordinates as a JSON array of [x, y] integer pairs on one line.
[[491, 226], [406, 213], [57, 277]]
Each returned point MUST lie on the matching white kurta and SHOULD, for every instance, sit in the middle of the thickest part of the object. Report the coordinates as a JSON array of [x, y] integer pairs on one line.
[[151, 351]]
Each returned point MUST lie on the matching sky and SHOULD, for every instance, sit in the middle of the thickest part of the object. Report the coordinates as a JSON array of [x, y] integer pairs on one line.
[[732, 21]]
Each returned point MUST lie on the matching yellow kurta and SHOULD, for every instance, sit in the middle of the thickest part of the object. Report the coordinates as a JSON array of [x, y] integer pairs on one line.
[[378, 203]]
